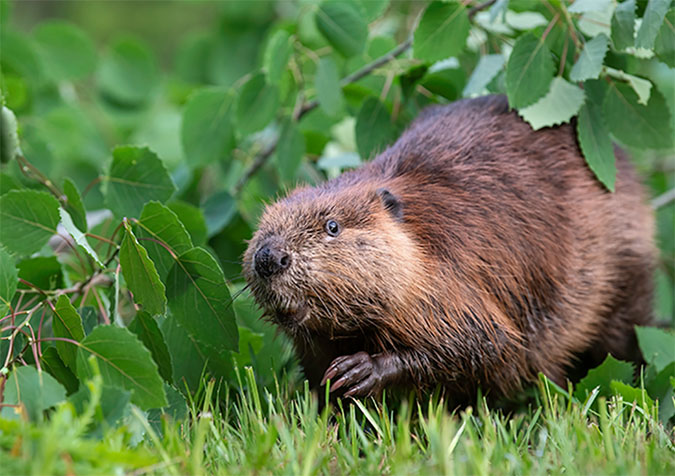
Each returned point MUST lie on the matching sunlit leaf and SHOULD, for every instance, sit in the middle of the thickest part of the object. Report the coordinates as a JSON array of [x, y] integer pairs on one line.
[[560, 104]]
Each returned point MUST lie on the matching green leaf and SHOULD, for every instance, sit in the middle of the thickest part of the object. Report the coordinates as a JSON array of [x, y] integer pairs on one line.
[[141, 275], [176, 409], [657, 346], [207, 132], [74, 205], [583, 6], [642, 87], [66, 51], [219, 209], [595, 141], [8, 281], [328, 89], [257, 104], [373, 129], [342, 23], [67, 323], [111, 408], [623, 25], [529, 71], [136, 177], [78, 236], [7, 183], [602, 376], [651, 23], [123, 362], [27, 220], [290, 151], [200, 301], [44, 272], [661, 387], [664, 46], [159, 224], [193, 220], [9, 136], [634, 124], [128, 73], [559, 105], [442, 31], [35, 391], [145, 327], [589, 64], [631, 394], [277, 54], [52, 363], [373, 9], [487, 68]]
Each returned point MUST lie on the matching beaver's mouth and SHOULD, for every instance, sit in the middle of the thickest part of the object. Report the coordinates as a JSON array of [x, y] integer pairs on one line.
[[291, 316]]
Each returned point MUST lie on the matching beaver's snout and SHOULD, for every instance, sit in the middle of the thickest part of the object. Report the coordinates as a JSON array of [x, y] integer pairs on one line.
[[270, 260]]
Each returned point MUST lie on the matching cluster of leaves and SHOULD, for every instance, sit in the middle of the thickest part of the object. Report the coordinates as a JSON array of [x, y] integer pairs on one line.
[[126, 262]]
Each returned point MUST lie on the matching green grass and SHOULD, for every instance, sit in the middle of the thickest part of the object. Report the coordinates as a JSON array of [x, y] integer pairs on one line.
[[275, 432]]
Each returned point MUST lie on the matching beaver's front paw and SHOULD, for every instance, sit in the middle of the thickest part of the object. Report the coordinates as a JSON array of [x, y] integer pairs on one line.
[[361, 375]]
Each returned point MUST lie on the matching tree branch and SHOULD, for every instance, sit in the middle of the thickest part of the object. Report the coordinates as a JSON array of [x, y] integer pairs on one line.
[[266, 153]]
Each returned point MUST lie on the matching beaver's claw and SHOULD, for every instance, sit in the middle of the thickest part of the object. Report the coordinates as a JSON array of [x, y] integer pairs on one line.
[[360, 374]]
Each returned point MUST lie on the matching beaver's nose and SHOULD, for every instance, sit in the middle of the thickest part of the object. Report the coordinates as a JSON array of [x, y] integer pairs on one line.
[[269, 260]]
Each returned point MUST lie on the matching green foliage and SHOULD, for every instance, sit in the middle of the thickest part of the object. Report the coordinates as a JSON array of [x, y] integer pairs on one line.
[[442, 31], [28, 219], [135, 167], [123, 362], [529, 71]]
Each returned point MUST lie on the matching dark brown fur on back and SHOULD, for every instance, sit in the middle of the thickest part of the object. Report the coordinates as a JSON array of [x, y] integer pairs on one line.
[[505, 257]]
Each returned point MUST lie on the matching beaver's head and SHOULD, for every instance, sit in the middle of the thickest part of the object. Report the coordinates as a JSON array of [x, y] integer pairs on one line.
[[331, 259]]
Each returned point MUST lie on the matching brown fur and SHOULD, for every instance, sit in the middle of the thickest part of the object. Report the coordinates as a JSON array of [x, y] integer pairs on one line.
[[509, 259]]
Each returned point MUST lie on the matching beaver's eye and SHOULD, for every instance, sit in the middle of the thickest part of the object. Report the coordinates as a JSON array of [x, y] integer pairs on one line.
[[332, 228]]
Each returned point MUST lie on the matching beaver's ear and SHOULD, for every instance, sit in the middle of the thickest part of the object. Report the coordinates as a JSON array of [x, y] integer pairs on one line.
[[391, 203]]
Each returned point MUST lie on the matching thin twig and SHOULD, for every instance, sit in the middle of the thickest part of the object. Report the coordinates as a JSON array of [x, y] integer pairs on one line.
[[664, 199], [481, 6]]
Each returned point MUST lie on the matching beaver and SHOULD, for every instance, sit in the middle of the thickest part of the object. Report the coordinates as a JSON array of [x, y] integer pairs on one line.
[[472, 253]]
